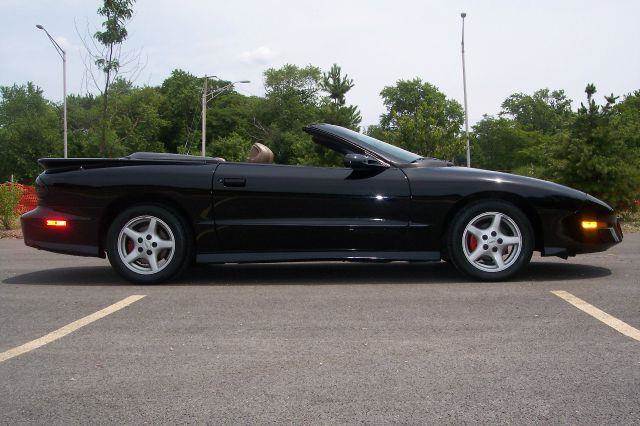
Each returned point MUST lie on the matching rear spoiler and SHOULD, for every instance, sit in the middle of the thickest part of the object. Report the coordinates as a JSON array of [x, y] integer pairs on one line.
[[138, 158], [74, 163]]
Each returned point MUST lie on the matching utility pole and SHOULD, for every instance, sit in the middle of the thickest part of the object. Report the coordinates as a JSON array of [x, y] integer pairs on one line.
[[206, 97], [204, 116], [64, 103], [63, 55], [464, 85]]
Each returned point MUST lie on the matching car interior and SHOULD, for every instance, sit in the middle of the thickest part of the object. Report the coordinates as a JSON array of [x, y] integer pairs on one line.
[[260, 153]]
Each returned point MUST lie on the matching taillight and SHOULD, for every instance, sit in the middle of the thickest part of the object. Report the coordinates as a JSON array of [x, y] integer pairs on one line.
[[58, 223]]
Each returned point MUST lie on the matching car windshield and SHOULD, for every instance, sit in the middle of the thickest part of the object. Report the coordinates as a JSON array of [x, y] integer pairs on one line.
[[389, 151]]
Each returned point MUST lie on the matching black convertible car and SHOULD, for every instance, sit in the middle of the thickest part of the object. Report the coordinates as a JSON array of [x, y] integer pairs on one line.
[[153, 215]]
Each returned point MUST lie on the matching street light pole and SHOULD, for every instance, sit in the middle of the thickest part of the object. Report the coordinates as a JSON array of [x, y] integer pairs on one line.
[[63, 55], [204, 115], [64, 103], [206, 97], [464, 85]]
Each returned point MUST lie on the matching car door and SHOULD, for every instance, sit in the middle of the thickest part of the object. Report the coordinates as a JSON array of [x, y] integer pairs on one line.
[[279, 208]]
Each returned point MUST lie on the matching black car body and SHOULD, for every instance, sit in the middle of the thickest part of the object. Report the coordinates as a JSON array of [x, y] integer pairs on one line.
[[378, 207]]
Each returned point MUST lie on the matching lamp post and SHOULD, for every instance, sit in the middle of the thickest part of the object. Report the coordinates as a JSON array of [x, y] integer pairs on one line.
[[208, 95], [204, 113], [63, 55], [464, 85]]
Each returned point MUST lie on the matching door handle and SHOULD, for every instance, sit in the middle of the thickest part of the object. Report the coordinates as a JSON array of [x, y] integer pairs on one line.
[[234, 182]]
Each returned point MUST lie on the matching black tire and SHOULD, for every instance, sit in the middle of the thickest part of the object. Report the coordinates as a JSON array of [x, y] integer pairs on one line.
[[456, 250], [183, 250]]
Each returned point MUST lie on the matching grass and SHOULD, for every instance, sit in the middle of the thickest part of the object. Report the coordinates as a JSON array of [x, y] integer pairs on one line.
[[630, 220], [14, 232]]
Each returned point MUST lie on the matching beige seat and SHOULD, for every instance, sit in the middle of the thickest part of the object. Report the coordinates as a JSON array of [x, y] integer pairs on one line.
[[260, 154]]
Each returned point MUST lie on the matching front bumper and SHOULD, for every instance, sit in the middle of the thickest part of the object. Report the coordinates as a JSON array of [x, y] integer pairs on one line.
[[79, 237], [574, 239]]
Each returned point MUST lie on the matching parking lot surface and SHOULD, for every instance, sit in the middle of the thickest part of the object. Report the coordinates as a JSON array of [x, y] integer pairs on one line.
[[318, 342]]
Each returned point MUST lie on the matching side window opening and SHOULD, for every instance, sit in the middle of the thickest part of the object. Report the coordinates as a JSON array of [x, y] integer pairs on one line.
[[330, 153]]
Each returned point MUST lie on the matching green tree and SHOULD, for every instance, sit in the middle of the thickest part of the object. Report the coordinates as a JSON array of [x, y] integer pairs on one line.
[[421, 119], [333, 109], [291, 102], [84, 112], [181, 110], [502, 144], [136, 123], [136, 120], [108, 60], [546, 111], [596, 158], [233, 147], [231, 113], [625, 122], [336, 85], [30, 128], [293, 82]]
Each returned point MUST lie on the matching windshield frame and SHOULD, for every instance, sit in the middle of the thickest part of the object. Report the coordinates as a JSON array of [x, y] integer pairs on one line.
[[380, 149]]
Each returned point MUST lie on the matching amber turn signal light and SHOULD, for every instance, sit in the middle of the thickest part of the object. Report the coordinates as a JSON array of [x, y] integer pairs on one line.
[[56, 222], [591, 225]]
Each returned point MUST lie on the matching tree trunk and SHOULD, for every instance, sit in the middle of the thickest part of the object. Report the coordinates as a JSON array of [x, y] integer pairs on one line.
[[105, 106]]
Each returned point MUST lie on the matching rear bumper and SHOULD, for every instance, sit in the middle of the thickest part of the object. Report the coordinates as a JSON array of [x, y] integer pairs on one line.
[[79, 237]]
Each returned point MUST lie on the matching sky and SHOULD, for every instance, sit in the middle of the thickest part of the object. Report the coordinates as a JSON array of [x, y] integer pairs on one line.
[[511, 46]]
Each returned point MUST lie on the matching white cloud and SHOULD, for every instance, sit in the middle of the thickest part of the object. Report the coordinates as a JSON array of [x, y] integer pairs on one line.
[[260, 56]]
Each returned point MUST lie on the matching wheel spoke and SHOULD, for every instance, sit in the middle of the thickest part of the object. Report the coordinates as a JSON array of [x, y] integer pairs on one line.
[[165, 244], [497, 259], [476, 254], [509, 241], [477, 232], [153, 263], [132, 256], [153, 223], [134, 235], [495, 224]]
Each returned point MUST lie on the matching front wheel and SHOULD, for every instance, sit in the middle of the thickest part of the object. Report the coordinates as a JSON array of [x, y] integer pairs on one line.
[[149, 244], [490, 240]]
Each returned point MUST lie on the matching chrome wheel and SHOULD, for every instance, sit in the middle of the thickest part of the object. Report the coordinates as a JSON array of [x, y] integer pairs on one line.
[[146, 245], [492, 242]]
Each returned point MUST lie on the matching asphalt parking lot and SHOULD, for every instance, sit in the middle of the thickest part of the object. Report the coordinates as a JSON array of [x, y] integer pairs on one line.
[[319, 342]]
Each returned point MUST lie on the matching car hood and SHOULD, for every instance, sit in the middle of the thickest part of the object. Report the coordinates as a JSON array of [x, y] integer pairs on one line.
[[489, 178]]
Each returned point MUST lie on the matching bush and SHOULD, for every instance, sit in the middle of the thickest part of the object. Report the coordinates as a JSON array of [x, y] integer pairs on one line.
[[9, 198]]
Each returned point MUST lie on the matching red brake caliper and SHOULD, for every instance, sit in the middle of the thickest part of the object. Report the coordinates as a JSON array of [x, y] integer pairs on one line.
[[472, 242]]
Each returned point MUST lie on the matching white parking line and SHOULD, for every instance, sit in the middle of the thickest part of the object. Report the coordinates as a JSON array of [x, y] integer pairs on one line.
[[69, 328], [598, 314]]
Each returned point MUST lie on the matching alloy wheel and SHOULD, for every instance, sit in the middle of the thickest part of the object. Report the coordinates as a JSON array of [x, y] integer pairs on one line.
[[146, 244], [492, 242]]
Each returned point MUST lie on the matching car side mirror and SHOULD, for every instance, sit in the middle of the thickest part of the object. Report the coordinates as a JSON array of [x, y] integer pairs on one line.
[[362, 162]]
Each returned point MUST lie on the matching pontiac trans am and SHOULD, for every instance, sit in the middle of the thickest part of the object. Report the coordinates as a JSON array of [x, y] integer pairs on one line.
[[154, 215]]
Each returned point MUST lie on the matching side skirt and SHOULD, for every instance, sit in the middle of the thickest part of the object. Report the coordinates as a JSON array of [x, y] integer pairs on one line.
[[263, 257]]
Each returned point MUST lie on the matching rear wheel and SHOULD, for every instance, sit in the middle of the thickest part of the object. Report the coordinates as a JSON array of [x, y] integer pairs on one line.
[[490, 240], [149, 244]]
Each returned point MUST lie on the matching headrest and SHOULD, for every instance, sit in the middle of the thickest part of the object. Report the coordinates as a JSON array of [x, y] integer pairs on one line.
[[260, 154]]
